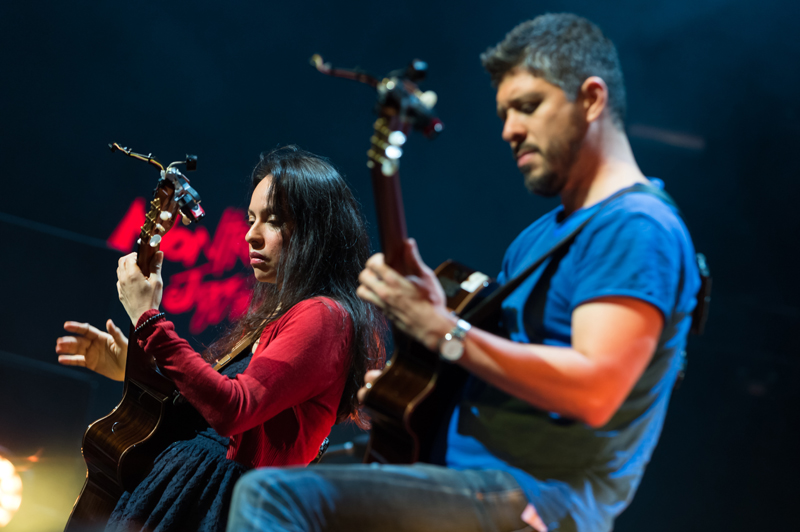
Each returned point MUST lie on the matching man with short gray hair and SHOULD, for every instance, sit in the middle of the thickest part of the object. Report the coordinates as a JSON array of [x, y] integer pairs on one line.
[[564, 408]]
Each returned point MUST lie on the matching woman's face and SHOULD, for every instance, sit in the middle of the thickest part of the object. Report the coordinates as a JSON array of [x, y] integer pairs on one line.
[[264, 237]]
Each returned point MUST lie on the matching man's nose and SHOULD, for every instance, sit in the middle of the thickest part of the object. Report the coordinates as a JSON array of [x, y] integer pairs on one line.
[[513, 129]]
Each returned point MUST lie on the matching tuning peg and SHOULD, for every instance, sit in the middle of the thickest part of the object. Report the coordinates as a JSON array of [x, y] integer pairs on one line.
[[428, 99], [397, 138], [416, 70], [393, 152], [165, 216]]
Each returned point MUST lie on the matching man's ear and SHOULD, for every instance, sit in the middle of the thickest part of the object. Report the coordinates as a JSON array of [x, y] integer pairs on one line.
[[594, 97]]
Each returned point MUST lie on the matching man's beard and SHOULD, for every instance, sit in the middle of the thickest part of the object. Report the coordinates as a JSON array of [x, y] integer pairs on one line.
[[546, 182], [551, 177]]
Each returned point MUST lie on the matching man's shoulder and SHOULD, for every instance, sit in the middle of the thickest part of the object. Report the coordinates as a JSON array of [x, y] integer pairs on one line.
[[643, 203], [636, 210]]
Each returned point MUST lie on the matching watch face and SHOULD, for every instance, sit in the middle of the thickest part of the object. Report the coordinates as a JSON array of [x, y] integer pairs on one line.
[[451, 349]]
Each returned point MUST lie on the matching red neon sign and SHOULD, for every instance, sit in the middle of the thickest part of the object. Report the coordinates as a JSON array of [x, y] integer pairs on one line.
[[201, 289]]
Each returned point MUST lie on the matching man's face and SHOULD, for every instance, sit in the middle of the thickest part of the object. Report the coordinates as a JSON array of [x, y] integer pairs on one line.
[[544, 129]]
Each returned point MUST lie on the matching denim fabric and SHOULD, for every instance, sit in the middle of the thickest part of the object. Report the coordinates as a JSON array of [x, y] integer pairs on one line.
[[354, 498]]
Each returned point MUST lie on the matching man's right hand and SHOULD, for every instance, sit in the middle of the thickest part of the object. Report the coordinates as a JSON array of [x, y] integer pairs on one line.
[[104, 353]]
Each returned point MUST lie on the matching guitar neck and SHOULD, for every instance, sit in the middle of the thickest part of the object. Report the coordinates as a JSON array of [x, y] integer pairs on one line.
[[152, 230], [385, 167], [144, 255], [391, 217]]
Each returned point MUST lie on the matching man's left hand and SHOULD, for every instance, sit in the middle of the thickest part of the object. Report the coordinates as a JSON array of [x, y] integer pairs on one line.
[[415, 303]]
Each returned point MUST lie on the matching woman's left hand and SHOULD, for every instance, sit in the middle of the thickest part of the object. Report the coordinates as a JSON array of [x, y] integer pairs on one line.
[[137, 292]]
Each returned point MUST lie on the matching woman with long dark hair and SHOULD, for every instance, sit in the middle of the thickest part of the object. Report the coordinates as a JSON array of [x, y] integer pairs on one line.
[[314, 339]]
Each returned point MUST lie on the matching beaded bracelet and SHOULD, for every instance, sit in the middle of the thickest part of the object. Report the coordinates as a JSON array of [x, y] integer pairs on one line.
[[148, 320]]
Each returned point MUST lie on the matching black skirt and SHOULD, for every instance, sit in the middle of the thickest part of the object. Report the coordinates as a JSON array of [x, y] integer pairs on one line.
[[189, 488]]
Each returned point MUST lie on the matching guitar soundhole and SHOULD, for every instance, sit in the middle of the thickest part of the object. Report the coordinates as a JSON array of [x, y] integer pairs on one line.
[[451, 287]]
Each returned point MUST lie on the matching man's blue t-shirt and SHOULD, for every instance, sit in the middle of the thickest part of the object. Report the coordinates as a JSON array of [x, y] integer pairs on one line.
[[577, 477]]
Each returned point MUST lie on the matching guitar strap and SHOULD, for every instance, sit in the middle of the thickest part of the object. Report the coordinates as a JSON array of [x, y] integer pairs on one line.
[[484, 313], [246, 342]]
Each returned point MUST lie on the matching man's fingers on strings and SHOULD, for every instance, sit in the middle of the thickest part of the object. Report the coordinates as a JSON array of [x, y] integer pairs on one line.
[[418, 283], [368, 278], [375, 283], [387, 274], [383, 271], [413, 259], [369, 296], [375, 260]]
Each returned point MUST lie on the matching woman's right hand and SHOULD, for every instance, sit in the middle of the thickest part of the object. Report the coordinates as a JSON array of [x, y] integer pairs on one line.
[[104, 353]]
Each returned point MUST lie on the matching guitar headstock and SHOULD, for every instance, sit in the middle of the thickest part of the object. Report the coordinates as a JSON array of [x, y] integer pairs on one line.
[[401, 107], [172, 196]]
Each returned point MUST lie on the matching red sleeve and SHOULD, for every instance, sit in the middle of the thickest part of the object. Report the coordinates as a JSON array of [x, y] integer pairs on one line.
[[299, 356]]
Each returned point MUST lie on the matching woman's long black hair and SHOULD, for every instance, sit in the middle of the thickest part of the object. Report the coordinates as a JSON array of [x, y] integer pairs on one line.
[[325, 248]]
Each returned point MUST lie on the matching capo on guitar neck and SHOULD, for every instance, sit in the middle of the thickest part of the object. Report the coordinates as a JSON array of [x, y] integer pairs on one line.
[[184, 195]]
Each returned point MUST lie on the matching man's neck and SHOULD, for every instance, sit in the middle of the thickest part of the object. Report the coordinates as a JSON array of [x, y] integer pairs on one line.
[[605, 164]]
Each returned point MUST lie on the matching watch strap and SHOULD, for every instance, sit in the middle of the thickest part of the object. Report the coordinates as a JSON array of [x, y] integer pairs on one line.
[[460, 330]]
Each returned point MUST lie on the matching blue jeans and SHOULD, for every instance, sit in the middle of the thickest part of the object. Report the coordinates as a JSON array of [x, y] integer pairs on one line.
[[386, 498]]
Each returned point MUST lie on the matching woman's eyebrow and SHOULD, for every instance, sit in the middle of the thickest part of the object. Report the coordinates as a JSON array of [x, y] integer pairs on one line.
[[264, 210]]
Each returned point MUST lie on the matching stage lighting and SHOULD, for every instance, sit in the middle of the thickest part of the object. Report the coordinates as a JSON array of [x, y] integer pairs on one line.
[[10, 491]]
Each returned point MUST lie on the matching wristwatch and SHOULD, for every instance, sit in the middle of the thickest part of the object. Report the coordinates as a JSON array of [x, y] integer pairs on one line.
[[451, 346]]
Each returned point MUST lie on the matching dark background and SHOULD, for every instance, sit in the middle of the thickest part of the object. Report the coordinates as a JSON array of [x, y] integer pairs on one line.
[[712, 111]]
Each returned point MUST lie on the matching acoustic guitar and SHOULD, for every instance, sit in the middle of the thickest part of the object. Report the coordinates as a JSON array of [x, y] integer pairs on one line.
[[410, 401], [120, 448]]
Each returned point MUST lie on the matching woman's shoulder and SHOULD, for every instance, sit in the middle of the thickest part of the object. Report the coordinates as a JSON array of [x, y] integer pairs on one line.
[[311, 321], [323, 311], [319, 304]]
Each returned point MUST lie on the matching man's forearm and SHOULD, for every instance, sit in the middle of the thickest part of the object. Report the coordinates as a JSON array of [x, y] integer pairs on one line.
[[555, 379]]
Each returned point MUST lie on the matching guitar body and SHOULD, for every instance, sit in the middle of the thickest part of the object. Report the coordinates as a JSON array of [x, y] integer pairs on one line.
[[408, 404], [120, 448], [412, 399]]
